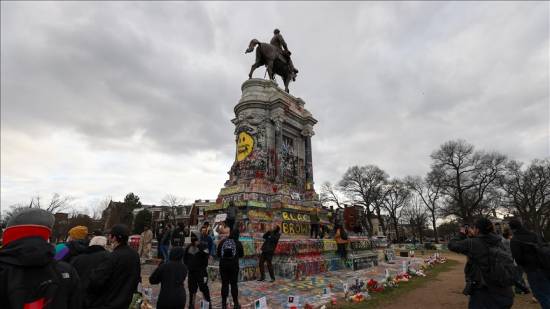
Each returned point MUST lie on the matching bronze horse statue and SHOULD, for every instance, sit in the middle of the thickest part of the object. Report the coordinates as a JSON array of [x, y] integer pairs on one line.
[[273, 59]]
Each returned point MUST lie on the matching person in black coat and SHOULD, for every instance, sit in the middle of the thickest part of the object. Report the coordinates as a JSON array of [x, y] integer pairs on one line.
[[177, 239], [115, 281], [94, 256], [229, 251], [196, 259], [525, 254], [271, 238], [476, 248], [29, 275], [171, 276]]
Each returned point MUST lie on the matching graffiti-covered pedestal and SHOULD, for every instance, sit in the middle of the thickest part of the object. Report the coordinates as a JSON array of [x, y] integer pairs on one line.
[[271, 179]]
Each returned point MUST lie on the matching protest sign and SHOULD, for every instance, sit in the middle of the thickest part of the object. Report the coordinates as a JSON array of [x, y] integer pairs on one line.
[[220, 218]]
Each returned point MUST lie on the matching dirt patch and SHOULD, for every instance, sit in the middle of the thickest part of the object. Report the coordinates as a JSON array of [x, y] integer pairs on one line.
[[445, 291]]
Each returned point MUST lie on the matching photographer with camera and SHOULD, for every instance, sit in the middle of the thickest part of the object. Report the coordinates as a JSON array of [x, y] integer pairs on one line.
[[489, 270]]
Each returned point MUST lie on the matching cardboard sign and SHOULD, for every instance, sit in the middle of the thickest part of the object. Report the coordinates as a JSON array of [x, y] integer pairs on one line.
[[260, 303], [220, 218], [204, 304]]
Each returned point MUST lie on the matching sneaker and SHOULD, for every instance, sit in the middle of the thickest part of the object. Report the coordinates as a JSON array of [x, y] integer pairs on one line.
[[272, 280], [261, 279]]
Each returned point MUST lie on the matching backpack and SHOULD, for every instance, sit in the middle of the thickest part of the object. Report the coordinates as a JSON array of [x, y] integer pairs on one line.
[[229, 248], [29, 295], [500, 270], [344, 234]]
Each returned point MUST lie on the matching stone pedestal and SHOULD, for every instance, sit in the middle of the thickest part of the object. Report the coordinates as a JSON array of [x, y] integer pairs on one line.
[[271, 179]]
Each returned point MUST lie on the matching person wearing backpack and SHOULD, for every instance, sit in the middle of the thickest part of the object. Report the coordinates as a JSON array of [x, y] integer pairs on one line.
[[489, 270], [341, 237], [30, 277], [229, 251], [527, 251]]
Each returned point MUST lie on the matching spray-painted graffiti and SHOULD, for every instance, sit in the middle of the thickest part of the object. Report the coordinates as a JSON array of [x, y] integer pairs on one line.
[[289, 216], [296, 228]]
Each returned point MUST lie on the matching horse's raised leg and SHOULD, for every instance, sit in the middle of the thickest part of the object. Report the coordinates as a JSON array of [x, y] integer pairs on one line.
[[254, 67]]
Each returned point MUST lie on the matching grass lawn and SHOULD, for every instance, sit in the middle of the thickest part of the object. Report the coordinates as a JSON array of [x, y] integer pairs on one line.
[[378, 300]]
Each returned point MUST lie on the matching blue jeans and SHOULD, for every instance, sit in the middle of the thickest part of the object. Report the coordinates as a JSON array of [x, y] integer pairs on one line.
[[540, 286], [164, 251]]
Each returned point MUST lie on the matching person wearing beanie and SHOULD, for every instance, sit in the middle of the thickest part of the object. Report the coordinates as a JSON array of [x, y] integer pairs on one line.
[[196, 259], [476, 245], [94, 256], [171, 276], [77, 242], [524, 252], [27, 260], [114, 281]]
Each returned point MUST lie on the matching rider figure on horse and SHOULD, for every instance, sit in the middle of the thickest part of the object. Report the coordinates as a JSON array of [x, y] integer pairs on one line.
[[280, 43]]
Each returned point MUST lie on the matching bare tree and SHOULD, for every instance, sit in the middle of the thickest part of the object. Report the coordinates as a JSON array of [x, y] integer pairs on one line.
[[396, 196], [527, 193], [57, 203], [331, 195], [173, 202], [362, 184], [97, 211], [429, 190], [467, 176], [416, 215]]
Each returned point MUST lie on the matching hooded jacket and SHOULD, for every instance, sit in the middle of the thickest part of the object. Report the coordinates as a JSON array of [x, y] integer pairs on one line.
[[171, 276], [76, 247], [84, 264], [196, 258], [477, 251], [524, 253], [115, 281], [271, 239], [28, 273]]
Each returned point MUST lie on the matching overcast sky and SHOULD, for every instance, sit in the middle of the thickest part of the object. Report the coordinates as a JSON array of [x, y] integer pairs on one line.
[[102, 99]]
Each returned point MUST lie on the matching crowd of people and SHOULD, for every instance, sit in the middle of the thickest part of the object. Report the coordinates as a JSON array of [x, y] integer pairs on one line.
[[93, 271], [96, 270], [80, 273], [496, 264]]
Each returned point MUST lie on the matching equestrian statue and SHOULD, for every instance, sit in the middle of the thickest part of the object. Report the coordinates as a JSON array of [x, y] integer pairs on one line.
[[275, 56]]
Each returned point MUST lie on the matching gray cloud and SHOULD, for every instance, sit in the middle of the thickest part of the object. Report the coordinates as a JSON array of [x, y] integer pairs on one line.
[[388, 82]]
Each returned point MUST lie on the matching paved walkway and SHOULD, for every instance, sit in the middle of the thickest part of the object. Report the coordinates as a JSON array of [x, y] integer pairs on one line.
[[445, 291]]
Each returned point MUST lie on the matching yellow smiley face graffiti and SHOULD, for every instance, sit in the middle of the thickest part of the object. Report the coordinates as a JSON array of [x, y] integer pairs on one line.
[[245, 145]]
